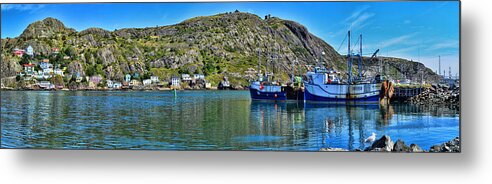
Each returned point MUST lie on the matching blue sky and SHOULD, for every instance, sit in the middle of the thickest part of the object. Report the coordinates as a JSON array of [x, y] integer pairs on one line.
[[416, 30]]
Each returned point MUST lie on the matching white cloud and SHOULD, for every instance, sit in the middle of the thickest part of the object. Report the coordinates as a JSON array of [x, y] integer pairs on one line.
[[449, 44], [356, 13], [358, 23], [21, 7], [358, 19], [397, 40]]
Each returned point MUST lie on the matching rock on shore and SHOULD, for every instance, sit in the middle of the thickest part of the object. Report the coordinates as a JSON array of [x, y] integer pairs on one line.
[[450, 146]]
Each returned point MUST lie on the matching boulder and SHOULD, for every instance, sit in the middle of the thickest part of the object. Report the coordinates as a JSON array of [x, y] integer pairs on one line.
[[382, 144], [435, 148], [400, 146], [415, 148], [450, 146]]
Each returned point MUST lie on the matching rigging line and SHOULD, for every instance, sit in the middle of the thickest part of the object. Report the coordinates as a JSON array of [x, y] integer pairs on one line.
[[339, 47]]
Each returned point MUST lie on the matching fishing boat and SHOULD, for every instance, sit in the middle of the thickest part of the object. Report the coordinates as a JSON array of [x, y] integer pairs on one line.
[[264, 89], [323, 85]]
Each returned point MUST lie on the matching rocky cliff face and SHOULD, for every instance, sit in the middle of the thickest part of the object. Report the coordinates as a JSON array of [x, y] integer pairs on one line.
[[220, 45]]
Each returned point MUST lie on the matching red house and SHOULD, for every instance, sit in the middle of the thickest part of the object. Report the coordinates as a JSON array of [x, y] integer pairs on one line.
[[19, 52]]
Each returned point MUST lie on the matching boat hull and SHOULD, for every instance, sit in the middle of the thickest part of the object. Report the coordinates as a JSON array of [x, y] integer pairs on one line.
[[342, 93], [263, 95]]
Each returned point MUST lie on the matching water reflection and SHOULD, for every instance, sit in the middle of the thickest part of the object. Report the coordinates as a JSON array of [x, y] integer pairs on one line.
[[207, 120]]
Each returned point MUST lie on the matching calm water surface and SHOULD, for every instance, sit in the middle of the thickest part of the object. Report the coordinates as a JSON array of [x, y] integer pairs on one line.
[[207, 120]]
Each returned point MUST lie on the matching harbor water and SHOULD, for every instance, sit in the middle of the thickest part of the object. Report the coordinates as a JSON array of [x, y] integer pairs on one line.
[[208, 120]]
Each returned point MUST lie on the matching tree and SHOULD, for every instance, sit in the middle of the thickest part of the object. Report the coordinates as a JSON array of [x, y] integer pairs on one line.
[[25, 59], [146, 75], [90, 70]]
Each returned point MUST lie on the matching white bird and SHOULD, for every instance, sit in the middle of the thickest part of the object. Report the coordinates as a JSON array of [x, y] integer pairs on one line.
[[371, 138]]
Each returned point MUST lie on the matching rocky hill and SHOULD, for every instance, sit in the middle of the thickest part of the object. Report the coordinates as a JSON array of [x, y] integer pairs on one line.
[[220, 45]]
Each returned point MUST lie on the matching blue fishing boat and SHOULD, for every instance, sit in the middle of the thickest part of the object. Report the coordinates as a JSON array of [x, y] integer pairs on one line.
[[264, 89], [260, 90], [324, 85]]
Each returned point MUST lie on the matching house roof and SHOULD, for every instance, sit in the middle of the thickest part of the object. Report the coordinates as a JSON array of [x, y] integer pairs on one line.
[[29, 64]]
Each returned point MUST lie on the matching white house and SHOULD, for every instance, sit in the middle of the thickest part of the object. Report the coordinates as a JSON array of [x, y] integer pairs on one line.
[[117, 85], [29, 69], [58, 72], [30, 51], [175, 81], [45, 84], [154, 79], [147, 82], [185, 77], [109, 83], [198, 76]]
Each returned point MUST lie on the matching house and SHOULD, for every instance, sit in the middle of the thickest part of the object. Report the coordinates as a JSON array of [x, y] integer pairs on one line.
[[19, 52], [185, 77], [55, 50], [208, 85], [95, 79], [175, 81], [135, 83], [58, 72], [78, 79], [198, 76], [30, 51], [128, 77], [147, 82], [45, 84], [29, 69], [117, 85], [109, 83], [44, 64], [154, 79], [66, 57], [136, 75]]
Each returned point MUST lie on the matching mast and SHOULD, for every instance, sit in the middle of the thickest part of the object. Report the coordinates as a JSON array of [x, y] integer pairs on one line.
[[349, 60], [259, 64], [360, 58]]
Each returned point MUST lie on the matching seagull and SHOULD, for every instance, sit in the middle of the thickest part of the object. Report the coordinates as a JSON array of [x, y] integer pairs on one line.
[[371, 138]]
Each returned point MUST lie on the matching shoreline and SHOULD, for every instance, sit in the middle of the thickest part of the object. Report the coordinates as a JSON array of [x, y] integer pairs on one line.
[[385, 144]]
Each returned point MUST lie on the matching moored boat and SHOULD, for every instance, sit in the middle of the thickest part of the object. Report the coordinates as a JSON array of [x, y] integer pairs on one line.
[[260, 90], [264, 89], [324, 85]]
